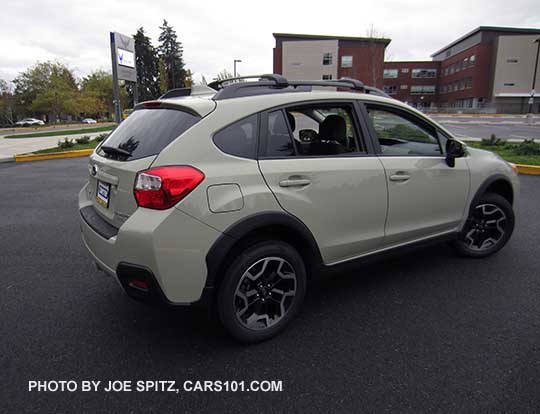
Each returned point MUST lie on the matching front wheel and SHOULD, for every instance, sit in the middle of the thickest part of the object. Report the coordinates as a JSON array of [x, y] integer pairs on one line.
[[262, 291], [489, 226]]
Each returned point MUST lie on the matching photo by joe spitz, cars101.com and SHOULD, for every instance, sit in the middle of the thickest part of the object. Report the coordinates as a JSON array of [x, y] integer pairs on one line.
[[237, 194]]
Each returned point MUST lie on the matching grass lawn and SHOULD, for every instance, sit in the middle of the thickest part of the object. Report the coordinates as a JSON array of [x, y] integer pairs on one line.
[[61, 133], [91, 145], [505, 151]]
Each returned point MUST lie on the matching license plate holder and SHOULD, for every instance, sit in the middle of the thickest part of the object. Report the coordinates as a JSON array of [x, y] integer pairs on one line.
[[103, 193]]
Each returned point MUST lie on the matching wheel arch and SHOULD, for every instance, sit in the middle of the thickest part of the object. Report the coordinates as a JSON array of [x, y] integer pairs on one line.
[[260, 227], [498, 184]]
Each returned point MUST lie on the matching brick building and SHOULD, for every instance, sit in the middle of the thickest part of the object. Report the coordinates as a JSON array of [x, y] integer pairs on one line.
[[298, 56], [412, 82], [489, 69]]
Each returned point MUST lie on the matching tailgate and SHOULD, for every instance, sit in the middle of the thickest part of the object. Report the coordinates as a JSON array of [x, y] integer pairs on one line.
[[116, 178]]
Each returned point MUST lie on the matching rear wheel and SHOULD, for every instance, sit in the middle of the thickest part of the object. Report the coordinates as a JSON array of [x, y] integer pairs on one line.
[[262, 291], [489, 226]]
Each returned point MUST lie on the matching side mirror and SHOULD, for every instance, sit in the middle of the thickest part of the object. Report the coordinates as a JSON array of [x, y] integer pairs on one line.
[[454, 149]]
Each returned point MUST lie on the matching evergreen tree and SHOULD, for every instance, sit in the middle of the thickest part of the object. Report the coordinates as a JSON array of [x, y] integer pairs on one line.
[[147, 66], [163, 78], [171, 51]]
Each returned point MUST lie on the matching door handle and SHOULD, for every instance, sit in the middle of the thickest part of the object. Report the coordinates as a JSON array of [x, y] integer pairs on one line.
[[296, 182], [399, 176]]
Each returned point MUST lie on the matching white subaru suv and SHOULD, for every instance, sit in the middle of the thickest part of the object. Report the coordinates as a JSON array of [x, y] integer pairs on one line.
[[237, 194]]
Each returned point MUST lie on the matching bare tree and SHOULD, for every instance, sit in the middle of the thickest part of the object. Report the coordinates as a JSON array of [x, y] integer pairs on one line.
[[374, 35]]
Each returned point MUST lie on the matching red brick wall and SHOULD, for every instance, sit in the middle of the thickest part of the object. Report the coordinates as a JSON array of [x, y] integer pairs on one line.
[[367, 63], [480, 73], [278, 61], [405, 78]]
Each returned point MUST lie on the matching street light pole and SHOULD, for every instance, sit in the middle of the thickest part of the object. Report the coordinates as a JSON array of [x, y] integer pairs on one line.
[[531, 99], [235, 61]]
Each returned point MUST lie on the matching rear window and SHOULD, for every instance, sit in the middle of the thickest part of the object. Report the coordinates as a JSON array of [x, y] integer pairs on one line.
[[146, 132]]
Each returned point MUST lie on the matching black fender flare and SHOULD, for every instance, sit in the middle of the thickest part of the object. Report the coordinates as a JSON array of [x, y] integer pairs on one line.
[[484, 186], [220, 249]]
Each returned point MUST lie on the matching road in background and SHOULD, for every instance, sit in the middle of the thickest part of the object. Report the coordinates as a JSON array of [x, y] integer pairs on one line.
[[30, 130], [12, 146], [424, 332], [512, 127]]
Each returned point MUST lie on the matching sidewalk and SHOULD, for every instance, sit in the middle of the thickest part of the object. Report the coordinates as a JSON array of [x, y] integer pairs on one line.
[[11, 146]]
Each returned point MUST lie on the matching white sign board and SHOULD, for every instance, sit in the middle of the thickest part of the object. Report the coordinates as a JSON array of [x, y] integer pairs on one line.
[[125, 58], [123, 48]]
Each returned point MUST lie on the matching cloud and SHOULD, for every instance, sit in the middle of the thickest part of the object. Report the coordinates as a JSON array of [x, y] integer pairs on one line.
[[214, 33]]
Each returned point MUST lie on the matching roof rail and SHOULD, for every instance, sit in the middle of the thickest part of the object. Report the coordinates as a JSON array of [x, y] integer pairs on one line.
[[278, 80], [274, 83]]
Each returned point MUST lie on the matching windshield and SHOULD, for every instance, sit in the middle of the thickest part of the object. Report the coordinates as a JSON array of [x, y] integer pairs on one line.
[[146, 132]]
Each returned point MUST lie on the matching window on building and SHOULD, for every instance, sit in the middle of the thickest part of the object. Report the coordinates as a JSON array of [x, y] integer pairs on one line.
[[472, 59], [400, 133], [422, 89], [465, 63], [424, 73], [346, 61], [390, 89], [404, 87], [326, 77], [327, 58], [511, 60], [405, 70], [461, 85], [468, 83], [390, 73]]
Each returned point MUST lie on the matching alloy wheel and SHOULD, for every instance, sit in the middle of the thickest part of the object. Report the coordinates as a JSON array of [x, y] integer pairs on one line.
[[485, 227], [265, 293]]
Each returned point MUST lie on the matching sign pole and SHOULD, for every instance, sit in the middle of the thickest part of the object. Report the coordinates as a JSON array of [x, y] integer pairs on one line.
[[116, 89]]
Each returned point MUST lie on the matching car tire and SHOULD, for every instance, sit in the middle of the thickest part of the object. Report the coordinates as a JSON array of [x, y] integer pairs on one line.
[[488, 228], [262, 291]]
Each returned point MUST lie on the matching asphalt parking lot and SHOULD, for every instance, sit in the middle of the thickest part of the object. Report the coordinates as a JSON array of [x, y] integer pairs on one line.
[[425, 332], [511, 127]]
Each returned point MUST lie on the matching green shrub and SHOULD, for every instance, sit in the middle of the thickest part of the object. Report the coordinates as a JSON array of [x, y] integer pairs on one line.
[[101, 137], [85, 139], [492, 141], [527, 147], [67, 143]]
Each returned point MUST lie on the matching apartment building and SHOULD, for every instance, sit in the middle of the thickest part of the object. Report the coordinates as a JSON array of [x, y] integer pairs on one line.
[[412, 82], [301, 56], [490, 69]]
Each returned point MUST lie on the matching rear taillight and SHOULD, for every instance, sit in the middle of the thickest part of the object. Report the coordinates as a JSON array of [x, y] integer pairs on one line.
[[162, 187]]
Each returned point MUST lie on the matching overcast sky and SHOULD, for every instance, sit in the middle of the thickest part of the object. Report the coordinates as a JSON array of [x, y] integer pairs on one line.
[[75, 32]]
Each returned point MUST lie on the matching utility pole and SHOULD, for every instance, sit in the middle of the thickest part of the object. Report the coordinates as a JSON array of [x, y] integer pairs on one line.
[[531, 99], [235, 61]]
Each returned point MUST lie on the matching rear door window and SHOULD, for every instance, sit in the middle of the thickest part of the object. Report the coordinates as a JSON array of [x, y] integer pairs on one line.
[[146, 132]]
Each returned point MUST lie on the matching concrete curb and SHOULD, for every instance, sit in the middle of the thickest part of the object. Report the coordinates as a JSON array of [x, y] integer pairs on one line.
[[528, 169], [53, 155]]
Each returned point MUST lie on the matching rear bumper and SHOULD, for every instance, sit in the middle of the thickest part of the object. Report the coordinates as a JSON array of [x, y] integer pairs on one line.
[[167, 247]]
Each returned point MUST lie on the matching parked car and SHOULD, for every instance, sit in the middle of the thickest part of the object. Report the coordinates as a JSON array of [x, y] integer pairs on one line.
[[238, 196], [89, 121], [30, 122]]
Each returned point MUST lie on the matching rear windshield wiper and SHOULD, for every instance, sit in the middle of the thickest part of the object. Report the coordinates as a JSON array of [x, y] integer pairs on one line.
[[115, 150]]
